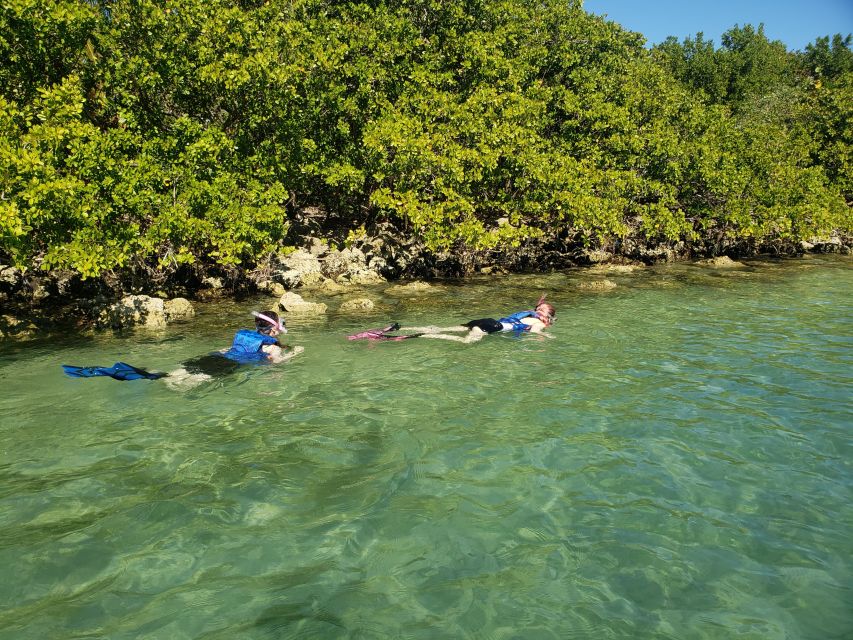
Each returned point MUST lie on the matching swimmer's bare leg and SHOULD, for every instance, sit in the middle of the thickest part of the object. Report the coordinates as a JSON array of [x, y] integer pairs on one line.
[[183, 380], [474, 335], [457, 328]]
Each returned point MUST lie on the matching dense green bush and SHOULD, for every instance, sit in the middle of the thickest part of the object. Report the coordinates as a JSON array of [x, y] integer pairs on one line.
[[155, 133]]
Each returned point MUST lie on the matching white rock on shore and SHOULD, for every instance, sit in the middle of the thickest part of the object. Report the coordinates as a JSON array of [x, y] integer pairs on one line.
[[293, 303], [145, 311]]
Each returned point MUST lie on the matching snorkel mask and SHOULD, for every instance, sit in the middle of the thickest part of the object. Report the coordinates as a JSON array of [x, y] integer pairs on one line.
[[275, 324], [548, 318]]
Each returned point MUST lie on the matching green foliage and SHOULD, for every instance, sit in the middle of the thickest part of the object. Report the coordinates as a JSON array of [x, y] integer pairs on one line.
[[746, 65], [829, 123], [827, 60], [147, 132]]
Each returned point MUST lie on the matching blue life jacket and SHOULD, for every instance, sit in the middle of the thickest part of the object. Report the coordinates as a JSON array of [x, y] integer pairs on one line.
[[515, 321], [247, 346]]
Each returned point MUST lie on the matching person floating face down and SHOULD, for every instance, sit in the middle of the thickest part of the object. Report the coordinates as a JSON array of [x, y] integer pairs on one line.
[[533, 320]]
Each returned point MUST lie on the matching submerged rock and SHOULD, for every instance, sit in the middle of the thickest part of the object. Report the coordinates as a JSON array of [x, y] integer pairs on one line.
[[721, 262], [597, 285], [615, 268], [357, 304], [412, 288]]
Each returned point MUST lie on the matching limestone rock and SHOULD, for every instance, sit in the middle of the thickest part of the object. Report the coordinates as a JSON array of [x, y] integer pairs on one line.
[[40, 292], [357, 304], [15, 328], [614, 268], [721, 262], [350, 267], [293, 303], [832, 244], [298, 268], [10, 277], [274, 288], [598, 256], [213, 283], [597, 285], [342, 262], [312, 279], [65, 282], [135, 311], [318, 248], [412, 288], [330, 286], [361, 278], [178, 309]]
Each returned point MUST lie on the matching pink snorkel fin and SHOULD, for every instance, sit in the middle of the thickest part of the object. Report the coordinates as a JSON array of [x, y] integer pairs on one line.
[[382, 334], [376, 334]]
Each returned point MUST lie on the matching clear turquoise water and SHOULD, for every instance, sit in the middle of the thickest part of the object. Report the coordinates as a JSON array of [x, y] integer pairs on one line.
[[676, 463]]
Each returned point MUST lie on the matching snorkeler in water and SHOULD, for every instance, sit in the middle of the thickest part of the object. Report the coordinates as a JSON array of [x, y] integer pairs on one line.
[[248, 347], [534, 320]]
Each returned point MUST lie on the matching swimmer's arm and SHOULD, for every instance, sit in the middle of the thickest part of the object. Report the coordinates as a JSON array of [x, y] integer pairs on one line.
[[537, 326], [277, 354]]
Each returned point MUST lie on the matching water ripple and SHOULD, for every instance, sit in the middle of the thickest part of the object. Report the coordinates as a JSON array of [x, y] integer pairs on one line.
[[673, 464]]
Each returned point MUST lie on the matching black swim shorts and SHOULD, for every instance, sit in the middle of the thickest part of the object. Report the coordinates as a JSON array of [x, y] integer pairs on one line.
[[489, 325]]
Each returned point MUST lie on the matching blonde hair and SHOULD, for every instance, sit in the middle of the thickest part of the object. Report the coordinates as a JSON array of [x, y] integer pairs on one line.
[[547, 308]]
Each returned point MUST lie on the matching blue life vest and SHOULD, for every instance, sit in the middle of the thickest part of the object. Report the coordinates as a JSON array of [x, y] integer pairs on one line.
[[247, 346], [515, 321]]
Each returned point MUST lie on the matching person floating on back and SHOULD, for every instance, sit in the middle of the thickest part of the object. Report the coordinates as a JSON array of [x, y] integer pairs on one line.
[[249, 347], [533, 320]]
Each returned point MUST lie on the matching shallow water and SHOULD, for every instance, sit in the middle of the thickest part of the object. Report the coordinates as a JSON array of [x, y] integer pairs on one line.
[[675, 463]]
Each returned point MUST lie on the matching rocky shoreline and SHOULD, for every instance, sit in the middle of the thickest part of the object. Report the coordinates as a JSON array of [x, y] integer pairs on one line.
[[33, 303]]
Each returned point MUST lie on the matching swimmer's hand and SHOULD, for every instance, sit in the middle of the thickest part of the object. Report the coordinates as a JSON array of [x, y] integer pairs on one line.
[[292, 351]]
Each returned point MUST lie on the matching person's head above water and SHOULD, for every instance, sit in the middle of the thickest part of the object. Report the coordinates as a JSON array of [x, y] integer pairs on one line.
[[545, 311], [269, 323]]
